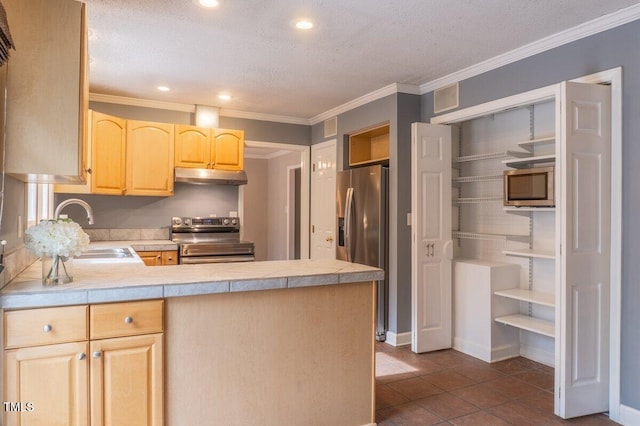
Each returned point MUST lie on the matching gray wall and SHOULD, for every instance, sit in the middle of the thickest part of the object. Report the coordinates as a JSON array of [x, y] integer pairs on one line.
[[277, 201], [613, 48], [399, 110], [113, 211], [255, 198]]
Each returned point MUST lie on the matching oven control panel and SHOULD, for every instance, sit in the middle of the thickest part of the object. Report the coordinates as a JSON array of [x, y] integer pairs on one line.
[[213, 223]]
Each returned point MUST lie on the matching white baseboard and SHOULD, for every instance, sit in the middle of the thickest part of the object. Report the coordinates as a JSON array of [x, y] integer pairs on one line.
[[400, 339], [628, 416], [536, 354], [486, 353]]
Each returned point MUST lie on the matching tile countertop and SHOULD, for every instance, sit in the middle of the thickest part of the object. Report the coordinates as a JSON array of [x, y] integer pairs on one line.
[[98, 282]]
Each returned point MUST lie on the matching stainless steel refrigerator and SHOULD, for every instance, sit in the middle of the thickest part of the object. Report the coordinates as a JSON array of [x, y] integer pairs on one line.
[[362, 207]]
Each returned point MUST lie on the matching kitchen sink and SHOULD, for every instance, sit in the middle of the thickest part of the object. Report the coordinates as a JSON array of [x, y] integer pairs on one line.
[[106, 253]]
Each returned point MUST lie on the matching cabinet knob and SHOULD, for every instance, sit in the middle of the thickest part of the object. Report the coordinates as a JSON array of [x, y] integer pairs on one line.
[[89, 170], [96, 354], [47, 328], [128, 320], [82, 356]]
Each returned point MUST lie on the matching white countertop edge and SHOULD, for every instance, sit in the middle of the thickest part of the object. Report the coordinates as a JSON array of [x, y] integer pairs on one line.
[[124, 294]]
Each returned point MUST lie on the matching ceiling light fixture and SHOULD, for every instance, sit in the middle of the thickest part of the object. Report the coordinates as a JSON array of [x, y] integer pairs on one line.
[[304, 24], [208, 3], [224, 97], [163, 88]]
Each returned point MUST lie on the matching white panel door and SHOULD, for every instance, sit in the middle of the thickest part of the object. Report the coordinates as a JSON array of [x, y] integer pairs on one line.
[[431, 237], [323, 200], [582, 373]]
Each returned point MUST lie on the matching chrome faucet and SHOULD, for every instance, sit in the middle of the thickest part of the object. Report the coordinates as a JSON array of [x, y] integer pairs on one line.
[[78, 201]]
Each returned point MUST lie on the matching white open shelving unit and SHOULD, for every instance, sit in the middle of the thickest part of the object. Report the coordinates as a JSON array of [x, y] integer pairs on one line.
[[498, 233]]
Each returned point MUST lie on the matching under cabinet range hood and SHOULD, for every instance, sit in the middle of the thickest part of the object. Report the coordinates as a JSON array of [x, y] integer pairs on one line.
[[210, 176]]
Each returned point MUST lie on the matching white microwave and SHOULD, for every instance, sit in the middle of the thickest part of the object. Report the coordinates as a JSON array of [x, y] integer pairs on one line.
[[529, 187]]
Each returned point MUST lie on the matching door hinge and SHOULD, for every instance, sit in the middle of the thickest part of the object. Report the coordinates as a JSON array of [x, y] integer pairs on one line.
[[313, 167], [313, 228]]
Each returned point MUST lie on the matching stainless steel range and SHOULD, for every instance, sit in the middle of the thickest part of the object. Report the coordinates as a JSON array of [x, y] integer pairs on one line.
[[210, 240]]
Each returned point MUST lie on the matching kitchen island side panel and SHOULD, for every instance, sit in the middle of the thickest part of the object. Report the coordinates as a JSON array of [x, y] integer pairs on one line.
[[275, 357]]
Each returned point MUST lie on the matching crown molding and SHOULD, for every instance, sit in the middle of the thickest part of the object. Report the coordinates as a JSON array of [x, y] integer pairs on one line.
[[598, 25], [145, 103], [173, 106], [263, 117], [363, 100]]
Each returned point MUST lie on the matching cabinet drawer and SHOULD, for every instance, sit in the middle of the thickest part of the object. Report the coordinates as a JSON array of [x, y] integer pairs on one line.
[[32, 327], [170, 257], [126, 319]]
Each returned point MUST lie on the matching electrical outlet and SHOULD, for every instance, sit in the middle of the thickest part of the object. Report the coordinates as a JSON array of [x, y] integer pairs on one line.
[[19, 226]]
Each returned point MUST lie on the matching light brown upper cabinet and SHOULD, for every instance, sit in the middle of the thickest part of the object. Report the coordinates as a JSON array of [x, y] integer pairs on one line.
[[193, 147], [228, 149], [108, 142], [149, 158], [47, 80], [369, 146], [199, 147]]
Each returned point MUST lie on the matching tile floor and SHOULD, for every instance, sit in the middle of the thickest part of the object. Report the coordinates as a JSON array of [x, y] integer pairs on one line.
[[451, 388]]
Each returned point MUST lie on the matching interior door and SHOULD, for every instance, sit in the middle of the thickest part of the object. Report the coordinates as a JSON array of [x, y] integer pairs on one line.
[[582, 373], [431, 312], [323, 200]]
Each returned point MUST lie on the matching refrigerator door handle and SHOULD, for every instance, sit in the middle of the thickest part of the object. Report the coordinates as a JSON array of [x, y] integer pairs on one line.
[[347, 223]]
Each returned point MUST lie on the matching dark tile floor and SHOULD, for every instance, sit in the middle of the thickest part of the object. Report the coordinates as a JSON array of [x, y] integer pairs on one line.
[[451, 388]]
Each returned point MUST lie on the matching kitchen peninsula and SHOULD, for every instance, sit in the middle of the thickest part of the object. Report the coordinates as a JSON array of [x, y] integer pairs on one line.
[[279, 342]]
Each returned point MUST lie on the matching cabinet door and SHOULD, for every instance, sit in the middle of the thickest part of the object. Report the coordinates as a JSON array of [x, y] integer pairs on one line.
[[228, 149], [107, 154], [126, 381], [50, 382], [192, 147], [45, 92], [149, 158], [151, 258]]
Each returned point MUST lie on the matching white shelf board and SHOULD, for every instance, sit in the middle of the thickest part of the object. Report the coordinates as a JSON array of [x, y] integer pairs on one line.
[[538, 254], [513, 209], [528, 161], [529, 145], [524, 295], [481, 236], [535, 325]]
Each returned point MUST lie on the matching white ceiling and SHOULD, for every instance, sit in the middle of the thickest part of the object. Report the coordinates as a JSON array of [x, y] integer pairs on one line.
[[250, 49]]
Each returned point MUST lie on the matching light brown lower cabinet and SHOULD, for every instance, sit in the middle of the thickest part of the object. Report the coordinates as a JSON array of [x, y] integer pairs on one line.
[[96, 381], [47, 385], [126, 381], [159, 258]]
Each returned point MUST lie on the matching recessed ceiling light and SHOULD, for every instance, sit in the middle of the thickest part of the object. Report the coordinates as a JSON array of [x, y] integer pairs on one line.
[[224, 97], [304, 24], [207, 3], [163, 88]]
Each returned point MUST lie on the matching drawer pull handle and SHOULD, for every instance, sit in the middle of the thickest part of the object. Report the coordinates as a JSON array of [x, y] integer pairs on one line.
[[96, 354], [47, 328], [128, 320], [82, 356]]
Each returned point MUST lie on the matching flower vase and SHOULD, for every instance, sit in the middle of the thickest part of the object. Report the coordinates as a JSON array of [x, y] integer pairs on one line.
[[57, 269]]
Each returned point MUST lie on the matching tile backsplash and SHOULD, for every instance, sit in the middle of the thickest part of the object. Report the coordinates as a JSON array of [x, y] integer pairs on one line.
[[113, 234], [15, 261]]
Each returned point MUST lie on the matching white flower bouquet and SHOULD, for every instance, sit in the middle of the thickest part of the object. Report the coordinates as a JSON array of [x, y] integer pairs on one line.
[[56, 241]]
